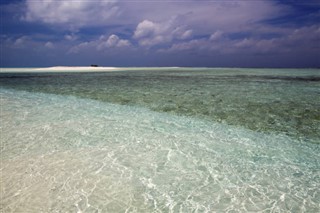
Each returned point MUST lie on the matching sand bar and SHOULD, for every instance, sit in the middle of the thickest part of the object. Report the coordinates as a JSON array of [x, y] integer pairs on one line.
[[79, 69], [60, 69]]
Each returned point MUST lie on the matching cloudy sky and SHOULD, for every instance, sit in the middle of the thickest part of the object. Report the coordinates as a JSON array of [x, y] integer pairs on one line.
[[206, 33]]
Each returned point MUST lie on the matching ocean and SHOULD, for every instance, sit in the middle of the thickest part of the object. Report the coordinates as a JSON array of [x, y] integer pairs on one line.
[[160, 140]]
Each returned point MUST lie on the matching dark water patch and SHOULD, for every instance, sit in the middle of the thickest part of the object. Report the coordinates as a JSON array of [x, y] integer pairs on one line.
[[286, 78]]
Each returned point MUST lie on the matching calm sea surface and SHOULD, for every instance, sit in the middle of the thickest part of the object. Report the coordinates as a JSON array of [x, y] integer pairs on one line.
[[160, 140]]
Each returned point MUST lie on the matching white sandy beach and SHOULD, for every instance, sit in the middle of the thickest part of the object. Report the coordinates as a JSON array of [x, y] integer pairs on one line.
[[67, 68], [61, 69], [78, 69]]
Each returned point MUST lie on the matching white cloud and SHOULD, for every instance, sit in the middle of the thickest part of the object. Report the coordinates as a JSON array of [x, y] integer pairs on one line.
[[49, 45], [204, 17], [187, 34], [21, 42], [71, 37], [103, 43], [192, 45], [145, 29], [81, 46], [73, 14], [123, 43], [27, 42], [111, 42], [201, 17], [306, 33], [216, 36], [300, 39], [245, 43], [150, 33], [304, 38]]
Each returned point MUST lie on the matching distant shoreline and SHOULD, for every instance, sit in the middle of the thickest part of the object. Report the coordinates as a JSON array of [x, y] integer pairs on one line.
[[62, 68], [84, 69], [59, 69], [79, 69]]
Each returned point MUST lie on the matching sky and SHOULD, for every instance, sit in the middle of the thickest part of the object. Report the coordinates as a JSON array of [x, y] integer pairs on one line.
[[193, 33]]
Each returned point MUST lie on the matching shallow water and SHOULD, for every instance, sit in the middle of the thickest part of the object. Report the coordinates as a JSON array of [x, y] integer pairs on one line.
[[67, 153], [266, 100]]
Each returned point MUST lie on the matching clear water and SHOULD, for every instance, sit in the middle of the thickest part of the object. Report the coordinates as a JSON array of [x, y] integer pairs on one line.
[[162, 141]]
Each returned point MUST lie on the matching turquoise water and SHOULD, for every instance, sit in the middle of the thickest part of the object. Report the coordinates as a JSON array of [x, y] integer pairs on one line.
[[205, 140]]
